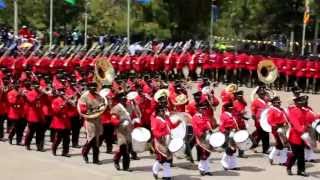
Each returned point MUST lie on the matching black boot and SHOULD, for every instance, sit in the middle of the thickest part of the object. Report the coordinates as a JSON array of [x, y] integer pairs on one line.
[[116, 165]]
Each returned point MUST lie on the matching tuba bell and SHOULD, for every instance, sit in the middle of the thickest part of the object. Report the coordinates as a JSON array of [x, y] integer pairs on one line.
[[267, 71], [104, 72]]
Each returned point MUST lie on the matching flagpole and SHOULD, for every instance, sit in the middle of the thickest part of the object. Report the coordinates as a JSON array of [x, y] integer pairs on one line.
[[128, 23], [211, 25], [51, 24], [304, 27], [86, 24], [15, 21]]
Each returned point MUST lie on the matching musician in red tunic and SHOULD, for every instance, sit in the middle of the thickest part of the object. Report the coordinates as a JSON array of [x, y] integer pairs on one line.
[[161, 126], [277, 119], [15, 114], [229, 126], [239, 107], [34, 116], [61, 123], [257, 106], [299, 125], [201, 125]]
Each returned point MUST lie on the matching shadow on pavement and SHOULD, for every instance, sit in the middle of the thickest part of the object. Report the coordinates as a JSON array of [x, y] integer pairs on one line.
[[251, 169], [225, 173], [185, 177]]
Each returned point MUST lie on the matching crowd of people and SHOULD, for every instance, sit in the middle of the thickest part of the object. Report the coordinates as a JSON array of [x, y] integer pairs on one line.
[[59, 93]]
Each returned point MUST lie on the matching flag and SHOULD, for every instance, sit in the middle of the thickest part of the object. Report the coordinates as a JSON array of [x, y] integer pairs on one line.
[[306, 16], [2, 4], [144, 2], [72, 2]]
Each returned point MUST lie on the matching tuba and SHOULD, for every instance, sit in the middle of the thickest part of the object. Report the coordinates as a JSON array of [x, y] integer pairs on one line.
[[267, 71], [104, 73], [95, 108]]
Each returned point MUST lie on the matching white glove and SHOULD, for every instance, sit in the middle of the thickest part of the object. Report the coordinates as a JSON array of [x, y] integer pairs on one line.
[[125, 123]]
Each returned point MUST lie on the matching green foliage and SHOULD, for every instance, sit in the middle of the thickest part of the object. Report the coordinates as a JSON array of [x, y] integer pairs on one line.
[[176, 19]]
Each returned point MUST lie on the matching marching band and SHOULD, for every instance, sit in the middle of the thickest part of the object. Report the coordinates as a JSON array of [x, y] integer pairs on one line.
[[117, 102]]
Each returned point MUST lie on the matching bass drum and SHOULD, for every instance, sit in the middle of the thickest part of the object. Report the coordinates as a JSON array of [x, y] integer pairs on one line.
[[177, 148], [140, 137], [264, 121], [242, 140]]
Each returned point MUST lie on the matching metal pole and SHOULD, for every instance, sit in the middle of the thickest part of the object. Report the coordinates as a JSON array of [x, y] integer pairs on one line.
[[304, 28], [15, 23], [86, 25], [315, 39], [128, 22], [211, 25], [51, 24], [303, 38], [291, 41]]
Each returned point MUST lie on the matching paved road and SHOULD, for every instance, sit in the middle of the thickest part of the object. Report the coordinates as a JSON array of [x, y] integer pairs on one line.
[[17, 163]]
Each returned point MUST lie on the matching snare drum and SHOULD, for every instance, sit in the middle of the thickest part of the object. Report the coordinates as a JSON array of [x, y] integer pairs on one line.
[[140, 137], [177, 147], [242, 140], [180, 131], [217, 139], [316, 125]]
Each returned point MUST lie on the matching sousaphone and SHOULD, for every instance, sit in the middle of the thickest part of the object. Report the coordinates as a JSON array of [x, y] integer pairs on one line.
[[267, 71], [104, 72]]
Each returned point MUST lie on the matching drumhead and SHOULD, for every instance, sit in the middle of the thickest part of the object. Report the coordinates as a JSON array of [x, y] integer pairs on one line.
[[175, 145], [132, 95], [179, 131], [264, 121], [217, 139], [315, 123], [241, 136], [141, 134], [318, 129]]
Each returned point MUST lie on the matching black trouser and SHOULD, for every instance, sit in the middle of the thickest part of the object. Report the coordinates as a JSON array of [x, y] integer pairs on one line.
[[95, 149], [64, 136], [47, 127], [107, 136], [190, 142], [2, 118], [123, 152], [297, 155], [76, 124], [17, 129], [260, 135], [35, 127], [133, 153]]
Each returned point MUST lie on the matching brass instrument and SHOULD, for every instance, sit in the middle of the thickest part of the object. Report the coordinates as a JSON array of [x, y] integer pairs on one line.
[[104, 72], [95, 107], [267, 71]]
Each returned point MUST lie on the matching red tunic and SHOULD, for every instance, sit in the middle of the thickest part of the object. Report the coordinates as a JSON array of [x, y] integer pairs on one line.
[[15, 103], [297, 118], [33, 106], [161, 127], [238, 112], [257, 106], [301, 68], [200, 124], [60, 119], [227, 122]]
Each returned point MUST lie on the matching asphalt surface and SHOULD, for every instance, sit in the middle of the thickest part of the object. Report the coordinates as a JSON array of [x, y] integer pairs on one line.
[[16, 163]]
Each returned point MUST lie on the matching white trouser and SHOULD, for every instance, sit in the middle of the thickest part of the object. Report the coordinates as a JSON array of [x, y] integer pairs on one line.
[[309, 154], [278, 156], [165, 166], [204, 165], [229, 162]]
